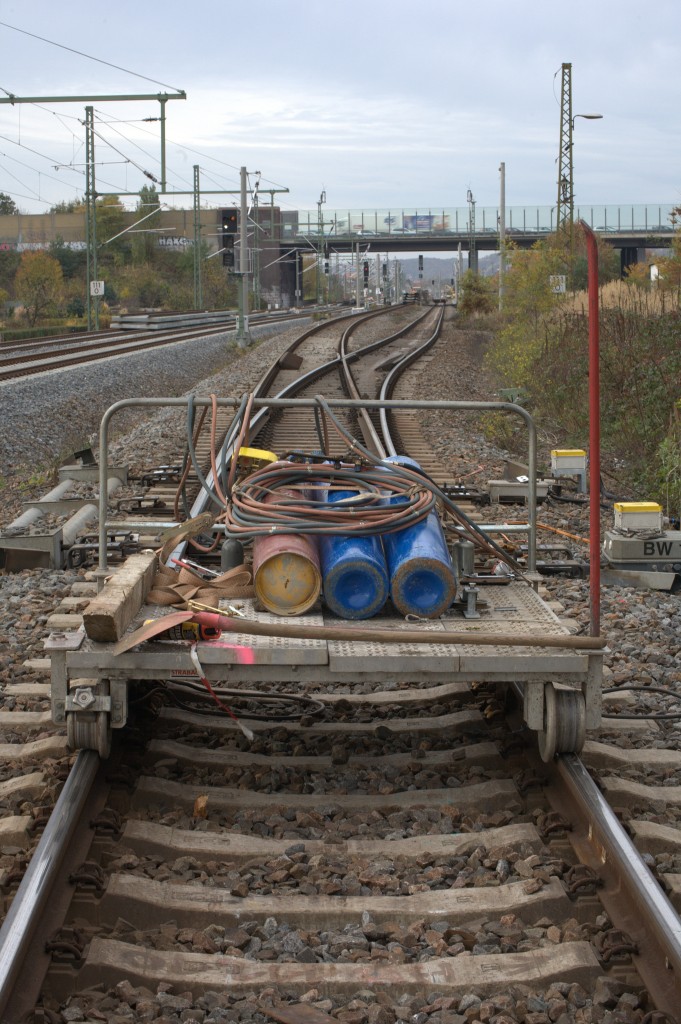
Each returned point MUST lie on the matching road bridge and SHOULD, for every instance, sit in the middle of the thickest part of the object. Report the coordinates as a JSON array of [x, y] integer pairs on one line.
[[280, 238], [629, 227]]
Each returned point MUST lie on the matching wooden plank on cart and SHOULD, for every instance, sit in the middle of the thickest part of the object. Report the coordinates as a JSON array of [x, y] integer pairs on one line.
[[108, 616]]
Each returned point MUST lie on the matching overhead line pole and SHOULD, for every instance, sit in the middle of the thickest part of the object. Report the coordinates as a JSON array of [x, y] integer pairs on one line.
[[198, 290], [90, 189], [243, 335], [91, 229], [502, 232], [472, 251], [161, 97], [90, 219], [565, 201]]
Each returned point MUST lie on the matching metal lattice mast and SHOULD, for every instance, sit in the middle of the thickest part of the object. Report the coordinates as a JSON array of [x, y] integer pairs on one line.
[[565, 204], [198, 291], [90, 218], [472, 250]]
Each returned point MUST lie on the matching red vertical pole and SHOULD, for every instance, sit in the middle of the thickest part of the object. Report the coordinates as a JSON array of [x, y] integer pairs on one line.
[[594, 436]]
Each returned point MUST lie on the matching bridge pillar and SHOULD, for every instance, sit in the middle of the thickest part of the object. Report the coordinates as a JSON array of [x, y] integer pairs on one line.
[[628, 257]]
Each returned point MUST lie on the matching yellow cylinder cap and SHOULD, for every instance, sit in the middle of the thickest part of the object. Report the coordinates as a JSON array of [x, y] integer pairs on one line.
[[287, 583]]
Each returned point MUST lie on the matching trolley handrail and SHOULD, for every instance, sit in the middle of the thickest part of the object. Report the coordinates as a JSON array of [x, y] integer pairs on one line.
[[309, 403]]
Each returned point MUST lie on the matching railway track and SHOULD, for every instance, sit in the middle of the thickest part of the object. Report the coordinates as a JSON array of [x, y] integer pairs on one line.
[[385, 845], [317, 360], [29, 356]]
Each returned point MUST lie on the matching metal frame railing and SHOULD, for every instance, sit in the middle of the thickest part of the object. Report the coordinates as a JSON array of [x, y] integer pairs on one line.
[[310, 403], [384, 223]]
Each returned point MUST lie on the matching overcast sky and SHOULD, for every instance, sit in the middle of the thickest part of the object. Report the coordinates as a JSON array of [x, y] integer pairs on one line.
[[389, 104]]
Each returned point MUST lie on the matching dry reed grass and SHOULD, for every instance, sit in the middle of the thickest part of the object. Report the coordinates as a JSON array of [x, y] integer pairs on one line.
[[629, 297]]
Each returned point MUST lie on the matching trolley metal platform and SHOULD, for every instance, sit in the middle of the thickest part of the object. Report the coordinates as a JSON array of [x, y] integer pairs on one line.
[[81, 665]]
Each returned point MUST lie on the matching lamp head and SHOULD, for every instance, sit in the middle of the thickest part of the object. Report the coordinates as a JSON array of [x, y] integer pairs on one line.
[[587, 117]]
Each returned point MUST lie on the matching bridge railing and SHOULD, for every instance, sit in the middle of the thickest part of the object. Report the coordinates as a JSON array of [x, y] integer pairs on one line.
[[535, 220]]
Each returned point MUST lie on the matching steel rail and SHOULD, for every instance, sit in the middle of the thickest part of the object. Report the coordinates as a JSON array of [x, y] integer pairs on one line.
[[261, 417], [396, 372], [36, 885], [54, 340], [386, 393], [46, 361], [632, 897], [371, 436], [270, 374], [51, 357], [113, 344]]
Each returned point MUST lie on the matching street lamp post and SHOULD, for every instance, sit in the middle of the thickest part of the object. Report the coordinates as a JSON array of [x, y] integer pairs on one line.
[[566, 196], [587, 117]]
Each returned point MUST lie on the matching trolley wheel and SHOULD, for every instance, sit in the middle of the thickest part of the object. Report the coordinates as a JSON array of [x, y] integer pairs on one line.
[[89, 732], [564, 729]]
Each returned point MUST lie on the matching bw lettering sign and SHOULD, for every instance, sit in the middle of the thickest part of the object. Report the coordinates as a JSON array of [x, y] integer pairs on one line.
[[659, 548], [557, 283], [96, 289]]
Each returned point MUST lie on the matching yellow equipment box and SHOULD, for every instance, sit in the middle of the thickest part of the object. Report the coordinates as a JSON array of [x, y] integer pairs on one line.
[[568, 460], [638, 515]]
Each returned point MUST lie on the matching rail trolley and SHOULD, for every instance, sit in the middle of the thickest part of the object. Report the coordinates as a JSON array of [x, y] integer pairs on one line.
[[497, 630]]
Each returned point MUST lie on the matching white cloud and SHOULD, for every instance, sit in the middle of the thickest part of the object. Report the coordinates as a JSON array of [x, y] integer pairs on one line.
[[378, 103]]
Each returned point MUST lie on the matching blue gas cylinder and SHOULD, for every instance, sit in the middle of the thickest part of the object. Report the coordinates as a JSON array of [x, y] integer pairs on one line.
[[422, 579], [354, 574]]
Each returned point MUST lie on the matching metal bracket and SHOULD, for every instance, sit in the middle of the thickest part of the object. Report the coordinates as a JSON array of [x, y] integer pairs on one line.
[[58, 644], [83, 698], [471, 594], [119, 702], [592, 689], [70, 641], [533, 704]]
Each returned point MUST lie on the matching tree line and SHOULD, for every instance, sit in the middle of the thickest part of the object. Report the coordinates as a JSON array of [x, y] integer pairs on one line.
[[52, 283]]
